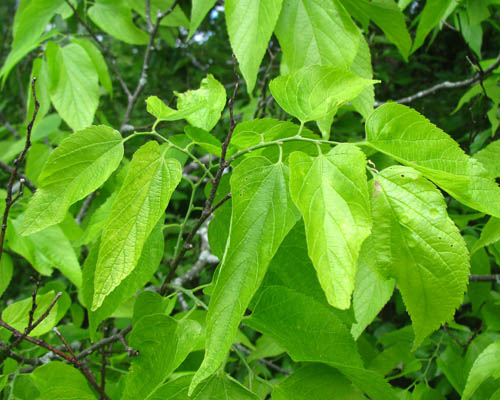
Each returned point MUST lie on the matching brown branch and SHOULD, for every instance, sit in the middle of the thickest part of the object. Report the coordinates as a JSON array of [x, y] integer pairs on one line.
[[447, 85], [104, 342], [208, 208], [85, 370], [484, 278], [8, 170], [85, 207], [132, 98], [9, 201]]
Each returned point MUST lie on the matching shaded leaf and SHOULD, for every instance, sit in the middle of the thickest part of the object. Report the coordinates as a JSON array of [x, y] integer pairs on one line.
[[486, 365], [163, 344]]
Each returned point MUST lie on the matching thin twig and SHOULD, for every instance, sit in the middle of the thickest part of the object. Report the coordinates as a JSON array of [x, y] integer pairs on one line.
[[446, 85], [85, 370], [208, 208], [270, 364], [104, 342], [85, 207], [9, 127], [9, 201], [484, 278], [8, 170], [132, 98]]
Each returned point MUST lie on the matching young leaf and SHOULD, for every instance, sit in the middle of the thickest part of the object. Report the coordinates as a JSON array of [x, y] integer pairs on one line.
[[74, 88], [262, 215], [388, 17], [371, 292], [199, 10], [416, 243], [77, 167], [310, 331], [411, 139], [148, 263], [431, 15], [316, 381], [142, 200], [250, 25], [208, 102], [332, 194], [163, 343], [204, 139], [485, 366], [490, 234], [312, 93], [316, 32], [115, 18]]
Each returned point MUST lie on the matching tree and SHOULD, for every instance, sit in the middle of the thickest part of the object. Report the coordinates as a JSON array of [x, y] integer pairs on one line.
[[206, 200]]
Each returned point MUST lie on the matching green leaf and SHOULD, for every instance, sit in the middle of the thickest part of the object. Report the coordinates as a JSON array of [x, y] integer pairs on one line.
[[489, 157], [175, 18], [142, 200], [148, 263], [17, 314], [163, 343], [371, 292], [250, 26], [77, 167], [416, 243], [40, 70], [204, 139], [477, 10], [431, 15], [55, 378], [485, 366], [46, 249], [74, 88], [262, 215], [207, 103], [222, 387], [31, 22], [312, 93], [115, 18], [6, 270], [490, 234], [362, 66], [316, 381], [99, 63], [332, 194], [199, 10], [317, 336], [411, 139], [98, 220], [387, 16], [316, 32]]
